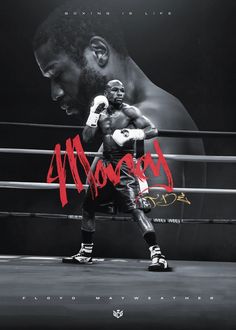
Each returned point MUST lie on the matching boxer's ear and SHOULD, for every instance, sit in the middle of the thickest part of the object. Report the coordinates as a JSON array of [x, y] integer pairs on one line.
[[100, 50]]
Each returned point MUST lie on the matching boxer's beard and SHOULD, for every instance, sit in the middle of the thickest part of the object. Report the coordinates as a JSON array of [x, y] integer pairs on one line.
[[91, 83]]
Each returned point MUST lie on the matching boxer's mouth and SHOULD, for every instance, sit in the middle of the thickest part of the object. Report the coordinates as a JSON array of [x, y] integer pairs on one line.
[[69, 110], [72, 111], [64, 107]]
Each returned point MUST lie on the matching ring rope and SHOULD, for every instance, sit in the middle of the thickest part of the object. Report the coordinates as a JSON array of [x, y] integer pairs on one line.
[[161, 132], [44, 152], [40, 125], [114, 218], [191, 158], [194, 134], [40, 185]]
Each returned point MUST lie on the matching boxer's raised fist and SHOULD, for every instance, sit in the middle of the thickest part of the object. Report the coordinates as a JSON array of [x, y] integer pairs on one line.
[[99, 103]]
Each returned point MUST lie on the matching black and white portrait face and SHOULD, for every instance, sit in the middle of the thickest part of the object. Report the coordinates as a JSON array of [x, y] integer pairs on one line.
[[115, 92], [72, 84]]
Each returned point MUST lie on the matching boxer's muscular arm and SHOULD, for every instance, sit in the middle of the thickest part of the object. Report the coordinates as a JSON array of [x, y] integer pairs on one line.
[[89, 133], [142, 122]]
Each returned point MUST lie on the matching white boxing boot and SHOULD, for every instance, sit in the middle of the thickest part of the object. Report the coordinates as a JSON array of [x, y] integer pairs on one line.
[[159, 263], [84, 256]]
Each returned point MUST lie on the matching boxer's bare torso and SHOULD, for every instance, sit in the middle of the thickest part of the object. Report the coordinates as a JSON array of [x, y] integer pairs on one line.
[[119, 118]]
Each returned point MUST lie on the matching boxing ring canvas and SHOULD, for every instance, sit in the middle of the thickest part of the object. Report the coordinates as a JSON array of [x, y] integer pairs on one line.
[[184, 49]]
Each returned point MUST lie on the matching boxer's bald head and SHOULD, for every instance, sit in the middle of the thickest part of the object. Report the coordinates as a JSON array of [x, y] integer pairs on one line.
[[114, 82], [115, 92]]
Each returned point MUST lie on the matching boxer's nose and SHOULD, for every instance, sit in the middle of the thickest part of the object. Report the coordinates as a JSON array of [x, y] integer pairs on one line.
[[56, 91], [120, 94]]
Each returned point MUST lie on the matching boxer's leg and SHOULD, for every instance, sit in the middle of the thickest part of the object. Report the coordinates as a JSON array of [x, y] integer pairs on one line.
[[158, 261], [127, 190], [87, 226], [84, 256]]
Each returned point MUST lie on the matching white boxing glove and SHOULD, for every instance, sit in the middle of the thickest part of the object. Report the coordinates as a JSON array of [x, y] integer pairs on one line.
[[126, 134], [100, 103]]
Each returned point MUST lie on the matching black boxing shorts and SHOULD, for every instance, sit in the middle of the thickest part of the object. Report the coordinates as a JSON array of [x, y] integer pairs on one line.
[[123, 194]]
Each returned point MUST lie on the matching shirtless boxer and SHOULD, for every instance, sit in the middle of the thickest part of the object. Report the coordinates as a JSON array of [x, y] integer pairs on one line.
[[80, 54], [120, 125]]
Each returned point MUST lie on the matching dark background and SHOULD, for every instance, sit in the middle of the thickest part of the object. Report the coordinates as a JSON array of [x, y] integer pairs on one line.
[[189, 53]]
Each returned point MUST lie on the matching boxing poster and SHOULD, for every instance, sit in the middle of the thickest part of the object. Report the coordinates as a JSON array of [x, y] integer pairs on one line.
[[175, 62]]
